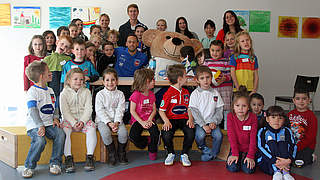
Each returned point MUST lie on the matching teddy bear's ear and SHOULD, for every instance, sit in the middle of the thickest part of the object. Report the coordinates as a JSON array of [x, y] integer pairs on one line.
[[149, 35], [197, 45]]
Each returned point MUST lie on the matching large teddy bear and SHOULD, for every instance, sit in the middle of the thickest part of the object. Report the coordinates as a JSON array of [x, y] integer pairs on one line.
[[165, 48]]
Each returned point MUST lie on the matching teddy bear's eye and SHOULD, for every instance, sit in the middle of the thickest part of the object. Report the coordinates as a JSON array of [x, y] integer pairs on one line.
[[168, 37]]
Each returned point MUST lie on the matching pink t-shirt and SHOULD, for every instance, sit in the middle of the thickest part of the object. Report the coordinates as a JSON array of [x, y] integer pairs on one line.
[[144, 104]]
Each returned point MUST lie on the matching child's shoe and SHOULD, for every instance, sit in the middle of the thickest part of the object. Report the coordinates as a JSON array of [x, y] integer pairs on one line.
[[169, 160], [153, 156], [122, 153], [314, 158], [69, 164], [55, 169], [27, 173], [185, 160], [298, 163], [111, 154], [277, 176], [288, 177], [89, 166], [206, 157]]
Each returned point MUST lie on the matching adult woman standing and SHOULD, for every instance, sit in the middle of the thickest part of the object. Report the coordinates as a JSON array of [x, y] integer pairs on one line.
[[230, 24], [182, 27], [104, 22]]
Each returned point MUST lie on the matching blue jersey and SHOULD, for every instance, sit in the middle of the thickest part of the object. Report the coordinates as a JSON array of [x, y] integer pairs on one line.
[[86, 66], [273, 143], [126, 64]]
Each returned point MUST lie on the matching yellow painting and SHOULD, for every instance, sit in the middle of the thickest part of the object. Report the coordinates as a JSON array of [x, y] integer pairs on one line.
[[5, 19], [288, 27]]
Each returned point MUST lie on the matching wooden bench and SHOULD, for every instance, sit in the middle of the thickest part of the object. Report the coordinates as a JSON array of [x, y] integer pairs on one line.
[[178, 143], [15, 144]]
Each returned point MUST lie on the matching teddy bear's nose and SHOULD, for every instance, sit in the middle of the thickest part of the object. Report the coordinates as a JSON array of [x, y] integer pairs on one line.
[[176, 41]]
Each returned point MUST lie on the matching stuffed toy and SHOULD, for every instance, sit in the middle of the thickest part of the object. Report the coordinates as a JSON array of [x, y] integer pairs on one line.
[[165, 48]]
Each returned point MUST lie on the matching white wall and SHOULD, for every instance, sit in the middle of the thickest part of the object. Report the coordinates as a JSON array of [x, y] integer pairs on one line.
[[280, 60]]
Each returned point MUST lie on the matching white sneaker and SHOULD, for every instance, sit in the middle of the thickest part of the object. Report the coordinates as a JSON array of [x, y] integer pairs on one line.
[[277, 176], [288, 177], [169, 160], [55, 169], [185, 160], [314, 158], [27, 173]]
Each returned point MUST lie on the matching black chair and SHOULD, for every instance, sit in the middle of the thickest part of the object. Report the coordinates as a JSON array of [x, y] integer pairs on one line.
[[307, 83]]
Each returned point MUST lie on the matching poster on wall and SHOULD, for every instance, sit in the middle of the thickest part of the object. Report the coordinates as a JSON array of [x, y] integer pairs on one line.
[[5, 19], [259, 21], [243, 17], [26, 17], [288, 27], [59, 16], [310, 27], [89, 15], [62, 16]]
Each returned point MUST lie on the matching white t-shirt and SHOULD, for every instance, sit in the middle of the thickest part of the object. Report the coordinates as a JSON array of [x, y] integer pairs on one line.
[[44, 100], [206, 101]]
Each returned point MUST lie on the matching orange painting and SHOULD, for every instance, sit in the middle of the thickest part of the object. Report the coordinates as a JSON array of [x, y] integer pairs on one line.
[[5, 19], [288, 27], [310, 27]]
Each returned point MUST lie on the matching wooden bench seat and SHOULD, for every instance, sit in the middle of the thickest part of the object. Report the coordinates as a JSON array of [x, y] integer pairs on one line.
[[178, 142]]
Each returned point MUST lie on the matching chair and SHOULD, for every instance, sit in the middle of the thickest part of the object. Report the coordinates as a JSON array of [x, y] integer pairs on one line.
[[302, 82]]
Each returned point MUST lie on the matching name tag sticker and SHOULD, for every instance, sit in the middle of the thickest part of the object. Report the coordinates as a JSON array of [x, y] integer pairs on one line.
[[63, 62], [245, 60], [74, 66], [174, 101], [146, 101], [246, 128]]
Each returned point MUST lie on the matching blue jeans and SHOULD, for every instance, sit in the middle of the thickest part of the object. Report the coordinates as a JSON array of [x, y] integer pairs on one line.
[[235, 167], [38, 143], [200, 137]]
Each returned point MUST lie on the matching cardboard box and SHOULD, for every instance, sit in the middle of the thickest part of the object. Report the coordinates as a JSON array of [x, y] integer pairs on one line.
[[15, 144]]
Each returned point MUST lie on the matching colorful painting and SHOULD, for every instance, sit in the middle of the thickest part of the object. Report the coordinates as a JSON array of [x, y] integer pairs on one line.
[[59, 16], [5, 19], [26, 17], [89, 16], [310, 27], [259, 21], [288, 27], [243, 17]]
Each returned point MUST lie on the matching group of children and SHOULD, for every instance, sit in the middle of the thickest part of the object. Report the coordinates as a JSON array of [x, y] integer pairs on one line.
[[227, 92]]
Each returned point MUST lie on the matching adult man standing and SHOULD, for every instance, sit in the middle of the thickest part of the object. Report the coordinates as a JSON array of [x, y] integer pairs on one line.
[[129, 26]]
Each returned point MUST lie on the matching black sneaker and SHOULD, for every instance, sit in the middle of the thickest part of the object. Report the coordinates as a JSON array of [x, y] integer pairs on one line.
[[89, 166], [69, 164]]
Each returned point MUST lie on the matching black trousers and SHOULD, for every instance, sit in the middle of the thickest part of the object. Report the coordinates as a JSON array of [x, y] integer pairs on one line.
[[142, 141], [305, 155], [167, 136]]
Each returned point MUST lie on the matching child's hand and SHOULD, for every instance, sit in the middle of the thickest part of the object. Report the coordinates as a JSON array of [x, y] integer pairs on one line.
[[150, 123], [283, 164], [79, 126], [212, 126], [111, 125], [41, 131], [86, 78], [232, 159], [250, 162], [166, 126], [56, 122], [206, 129], [115, 127], [190, 123]]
